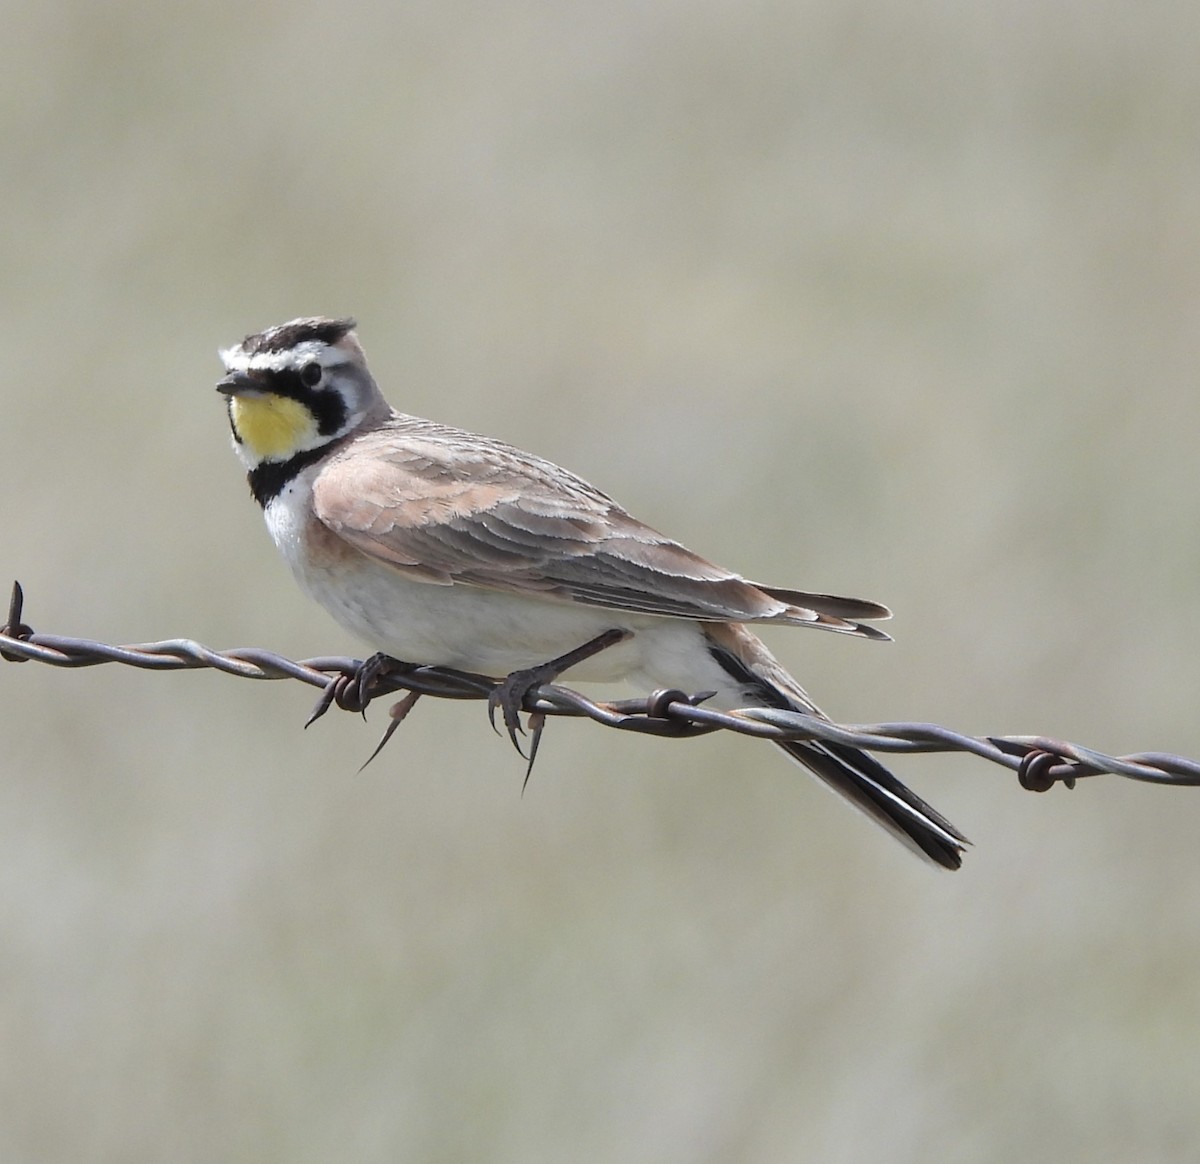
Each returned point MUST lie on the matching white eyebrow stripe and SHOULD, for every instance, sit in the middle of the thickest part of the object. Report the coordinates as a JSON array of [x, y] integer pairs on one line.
[[236, 360]]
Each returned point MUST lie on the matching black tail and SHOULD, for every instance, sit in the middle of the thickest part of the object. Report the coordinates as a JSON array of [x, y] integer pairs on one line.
[[870, 787], [857, 776]]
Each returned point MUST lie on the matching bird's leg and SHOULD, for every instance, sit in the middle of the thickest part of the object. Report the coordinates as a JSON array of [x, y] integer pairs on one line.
[[510, 694]]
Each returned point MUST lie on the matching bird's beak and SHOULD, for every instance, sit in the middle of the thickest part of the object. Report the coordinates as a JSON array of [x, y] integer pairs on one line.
[[239, 384]]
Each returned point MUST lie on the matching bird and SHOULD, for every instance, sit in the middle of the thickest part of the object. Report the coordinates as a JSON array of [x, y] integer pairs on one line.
[[441, 547]]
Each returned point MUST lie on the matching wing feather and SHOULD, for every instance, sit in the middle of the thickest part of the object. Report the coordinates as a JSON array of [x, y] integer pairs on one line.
[[448, 507]]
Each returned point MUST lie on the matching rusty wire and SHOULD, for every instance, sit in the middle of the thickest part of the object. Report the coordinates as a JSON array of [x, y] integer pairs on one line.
[[1039, 761]]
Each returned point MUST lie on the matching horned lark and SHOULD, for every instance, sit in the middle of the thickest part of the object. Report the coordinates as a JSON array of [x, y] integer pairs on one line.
[[441, 547]]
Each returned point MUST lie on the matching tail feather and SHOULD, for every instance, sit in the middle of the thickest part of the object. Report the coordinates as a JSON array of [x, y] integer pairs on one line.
[[832, 604], [857, 776], [870, 787]]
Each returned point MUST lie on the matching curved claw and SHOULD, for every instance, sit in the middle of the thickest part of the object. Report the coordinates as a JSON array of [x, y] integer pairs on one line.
[[353, 691], [509, 695], [375, 666]]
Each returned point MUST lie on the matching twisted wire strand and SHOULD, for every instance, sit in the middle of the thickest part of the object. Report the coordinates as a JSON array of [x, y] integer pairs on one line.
[[1039, 761]]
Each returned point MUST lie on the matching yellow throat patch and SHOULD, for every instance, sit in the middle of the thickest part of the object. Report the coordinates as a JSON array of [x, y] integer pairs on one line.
[[272, 427]]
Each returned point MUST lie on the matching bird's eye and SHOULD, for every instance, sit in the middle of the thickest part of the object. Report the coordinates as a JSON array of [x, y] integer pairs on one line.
[[310, 375]]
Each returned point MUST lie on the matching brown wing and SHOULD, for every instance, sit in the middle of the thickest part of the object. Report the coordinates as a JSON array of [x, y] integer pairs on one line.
[[448, 507]]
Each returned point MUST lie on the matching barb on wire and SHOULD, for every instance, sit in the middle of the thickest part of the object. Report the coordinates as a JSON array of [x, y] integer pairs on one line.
[[1039, 761]]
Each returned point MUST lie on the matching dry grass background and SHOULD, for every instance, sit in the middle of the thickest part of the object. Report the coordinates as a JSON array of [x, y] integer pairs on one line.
[[892, 299]]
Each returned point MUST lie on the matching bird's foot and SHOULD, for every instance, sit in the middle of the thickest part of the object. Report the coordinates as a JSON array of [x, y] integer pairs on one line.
[[354, 691], [510, 695]]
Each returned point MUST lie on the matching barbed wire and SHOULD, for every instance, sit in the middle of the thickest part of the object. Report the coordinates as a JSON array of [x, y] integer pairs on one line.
[[351, 684]]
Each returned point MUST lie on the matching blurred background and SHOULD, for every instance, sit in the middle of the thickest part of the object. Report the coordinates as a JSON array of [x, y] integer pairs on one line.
[[899, 300]]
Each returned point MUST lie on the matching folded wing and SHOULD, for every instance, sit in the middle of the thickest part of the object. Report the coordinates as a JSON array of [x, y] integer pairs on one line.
[[449, 508]]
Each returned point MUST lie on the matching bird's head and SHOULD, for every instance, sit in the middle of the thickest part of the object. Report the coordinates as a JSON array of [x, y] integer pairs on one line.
[[297, 388]]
